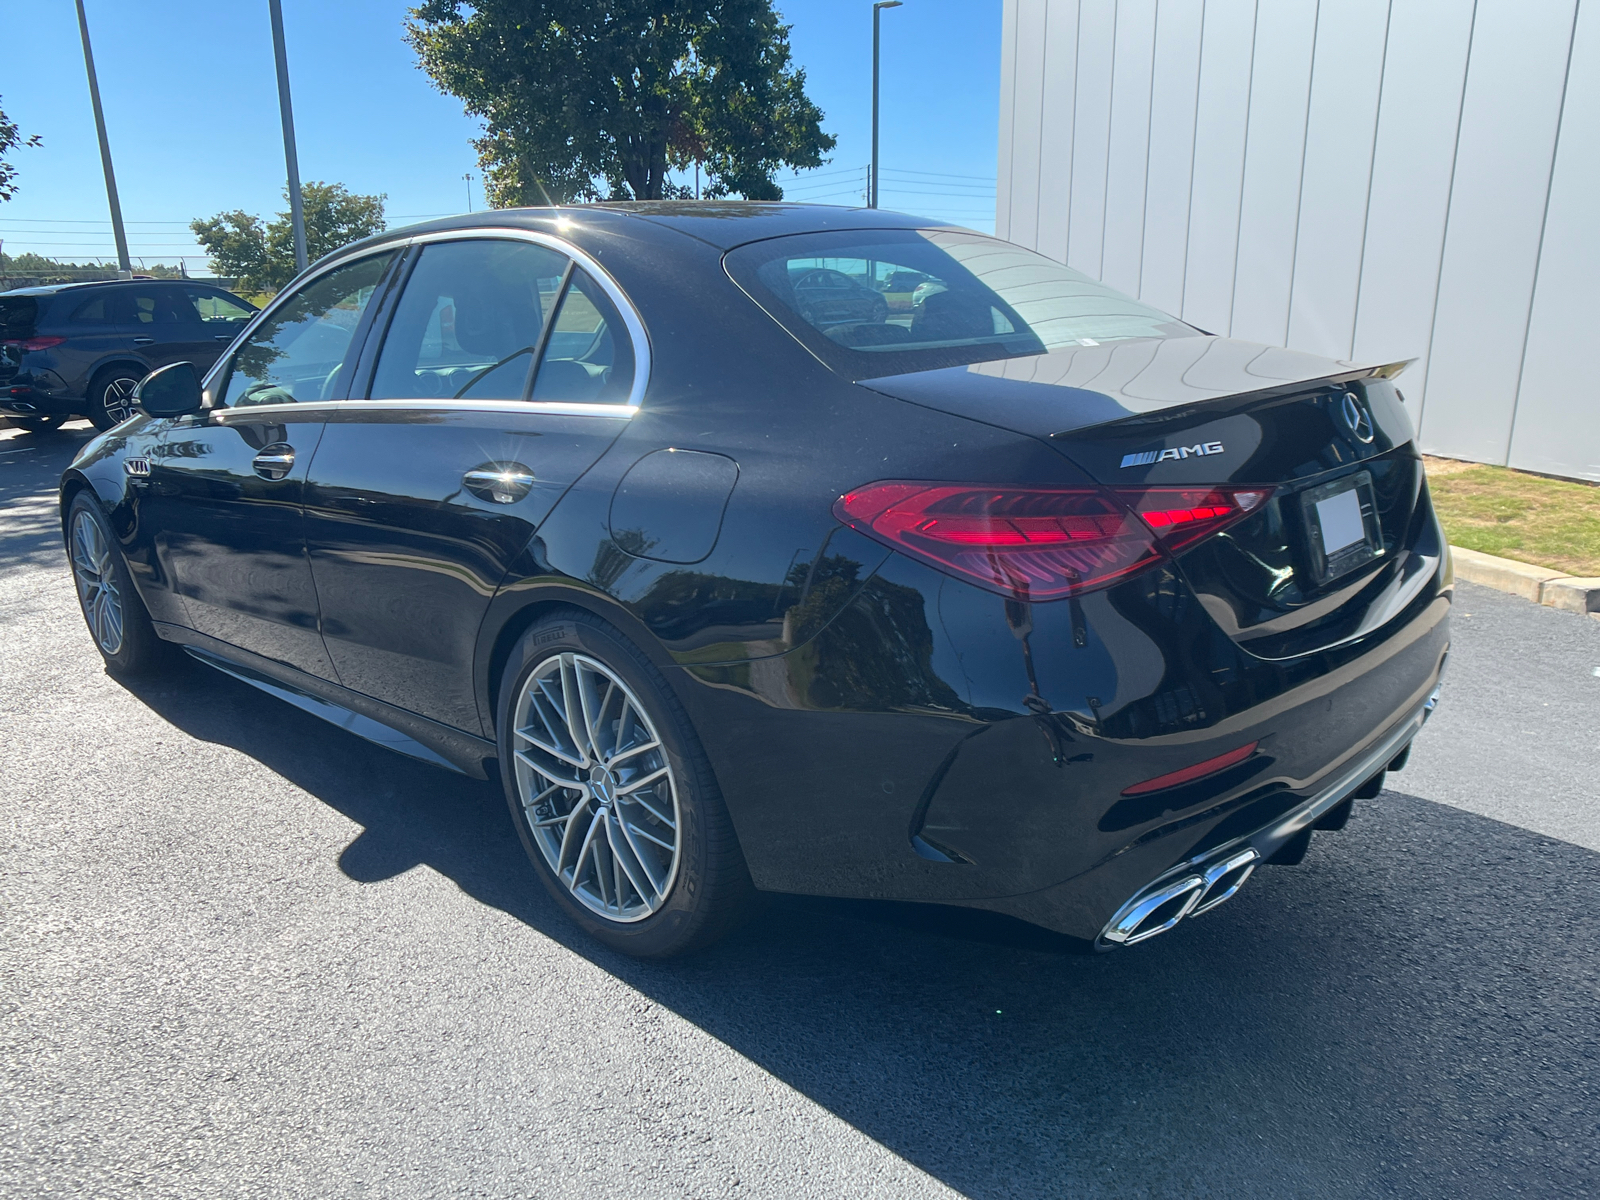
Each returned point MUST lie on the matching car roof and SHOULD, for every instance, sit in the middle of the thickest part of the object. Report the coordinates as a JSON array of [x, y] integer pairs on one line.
[[723, 224], [50, 289]]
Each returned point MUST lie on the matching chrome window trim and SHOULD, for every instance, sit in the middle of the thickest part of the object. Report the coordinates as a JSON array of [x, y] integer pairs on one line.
[[630, 318], [557, 408]]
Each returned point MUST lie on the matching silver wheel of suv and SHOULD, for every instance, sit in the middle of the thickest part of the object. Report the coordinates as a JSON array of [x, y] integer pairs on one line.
[[93, 572], [117, 399], [595, 786]]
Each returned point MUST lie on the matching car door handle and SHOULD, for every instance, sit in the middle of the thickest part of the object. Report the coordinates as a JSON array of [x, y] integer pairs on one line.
[[274, 461], [222, 337], [142, 341], [499, 482]]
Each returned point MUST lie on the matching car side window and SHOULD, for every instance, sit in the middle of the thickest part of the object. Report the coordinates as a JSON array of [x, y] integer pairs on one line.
[[468, 324], [156, 306], [297, 352], [217, 308], [100, 310], [588, 358]]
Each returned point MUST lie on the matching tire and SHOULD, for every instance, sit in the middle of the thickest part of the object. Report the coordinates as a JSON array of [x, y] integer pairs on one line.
[[118, 621], [641, 781], [110, 397], [49, 424]]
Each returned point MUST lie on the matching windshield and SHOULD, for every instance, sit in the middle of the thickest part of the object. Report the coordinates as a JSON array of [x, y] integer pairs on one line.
[[886, 302]]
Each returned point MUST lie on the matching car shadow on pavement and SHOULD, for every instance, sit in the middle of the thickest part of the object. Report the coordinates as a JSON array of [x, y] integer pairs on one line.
[[1413, 1010]]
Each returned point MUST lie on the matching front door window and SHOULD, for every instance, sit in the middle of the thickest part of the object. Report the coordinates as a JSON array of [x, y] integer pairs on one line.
[[300, 350]]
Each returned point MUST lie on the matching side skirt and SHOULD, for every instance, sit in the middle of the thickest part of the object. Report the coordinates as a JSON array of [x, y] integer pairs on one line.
[[382, 724]]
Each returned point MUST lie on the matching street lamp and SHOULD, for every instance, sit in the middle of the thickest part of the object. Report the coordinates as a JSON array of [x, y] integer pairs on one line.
[[872, 183], [124, 267], [291, 159]]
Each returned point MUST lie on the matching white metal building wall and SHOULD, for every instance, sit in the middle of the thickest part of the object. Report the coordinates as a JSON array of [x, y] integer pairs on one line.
[[1365, 179]]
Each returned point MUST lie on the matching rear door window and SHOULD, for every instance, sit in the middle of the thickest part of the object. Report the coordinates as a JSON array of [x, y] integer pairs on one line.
[[97, 311], [589, 355], [298, 353], [469, 324]]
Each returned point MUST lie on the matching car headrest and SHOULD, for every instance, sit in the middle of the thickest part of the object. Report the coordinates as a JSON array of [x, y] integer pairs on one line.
[[950, 315]]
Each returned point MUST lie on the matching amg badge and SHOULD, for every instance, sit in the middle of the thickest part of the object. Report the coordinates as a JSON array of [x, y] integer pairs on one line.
[[1145, 457]]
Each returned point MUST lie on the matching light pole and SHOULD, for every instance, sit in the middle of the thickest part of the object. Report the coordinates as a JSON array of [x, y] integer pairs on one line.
[[877, 12], [297, 216], [468, 178], [124, 266]]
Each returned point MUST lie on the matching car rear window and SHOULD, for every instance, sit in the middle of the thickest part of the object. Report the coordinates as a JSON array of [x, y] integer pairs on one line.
[[887, 302], [18, 316]]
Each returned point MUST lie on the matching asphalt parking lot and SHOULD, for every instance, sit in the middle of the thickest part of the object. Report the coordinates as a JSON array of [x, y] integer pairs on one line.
[[243, 953]]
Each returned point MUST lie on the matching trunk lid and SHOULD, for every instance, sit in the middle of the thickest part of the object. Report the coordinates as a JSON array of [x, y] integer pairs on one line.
[[1347, 540]]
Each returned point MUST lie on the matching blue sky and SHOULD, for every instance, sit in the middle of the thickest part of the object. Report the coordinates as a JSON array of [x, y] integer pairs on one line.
[[191, 109]]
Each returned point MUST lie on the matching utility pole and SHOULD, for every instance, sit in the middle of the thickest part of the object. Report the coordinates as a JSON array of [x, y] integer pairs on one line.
[[124, 266], [297, 215], [872, 183]]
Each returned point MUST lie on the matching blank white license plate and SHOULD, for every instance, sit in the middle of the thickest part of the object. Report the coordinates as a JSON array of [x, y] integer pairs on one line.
[[1342, 524]]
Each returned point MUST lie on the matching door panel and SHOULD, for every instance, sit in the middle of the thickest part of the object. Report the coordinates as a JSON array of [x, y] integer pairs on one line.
[[165, 327], [406, 556], [233, 534], [97, 330], [228, 486], [420, 498]]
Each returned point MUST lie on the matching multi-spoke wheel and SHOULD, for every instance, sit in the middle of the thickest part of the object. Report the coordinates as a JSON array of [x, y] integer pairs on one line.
[[596, 788], [115, 614], [111, 396], [611, 792], [93, 571]]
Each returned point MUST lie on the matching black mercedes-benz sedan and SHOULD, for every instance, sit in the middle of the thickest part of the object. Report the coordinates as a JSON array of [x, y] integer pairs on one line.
[[748, 567]]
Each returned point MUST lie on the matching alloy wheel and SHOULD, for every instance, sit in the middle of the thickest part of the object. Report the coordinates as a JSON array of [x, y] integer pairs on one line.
[[596, 787], [93, 571], [117, 399]]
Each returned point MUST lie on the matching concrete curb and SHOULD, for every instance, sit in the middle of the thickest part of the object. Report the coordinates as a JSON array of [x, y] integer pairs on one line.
[[1554, 589]]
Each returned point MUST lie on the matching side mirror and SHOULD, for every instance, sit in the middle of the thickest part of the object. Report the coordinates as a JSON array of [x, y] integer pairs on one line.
[[171, 391]]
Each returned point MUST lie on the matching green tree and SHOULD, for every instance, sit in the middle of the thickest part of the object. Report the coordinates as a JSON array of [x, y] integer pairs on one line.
[[10, 138], [575, 93], [261, 255]]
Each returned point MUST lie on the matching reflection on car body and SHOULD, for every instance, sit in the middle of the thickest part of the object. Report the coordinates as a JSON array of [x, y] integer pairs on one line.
[[792, 548]]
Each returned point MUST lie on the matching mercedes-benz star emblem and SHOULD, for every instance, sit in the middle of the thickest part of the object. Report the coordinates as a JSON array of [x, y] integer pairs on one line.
[[1355, 416]]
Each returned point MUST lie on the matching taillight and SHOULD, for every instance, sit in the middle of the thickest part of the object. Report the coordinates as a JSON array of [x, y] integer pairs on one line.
[[1035, 542], [1040, 543], [1180, 515], [36, 343]]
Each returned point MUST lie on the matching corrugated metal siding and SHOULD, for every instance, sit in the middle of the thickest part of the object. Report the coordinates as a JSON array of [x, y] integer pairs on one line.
[[1376, 179]]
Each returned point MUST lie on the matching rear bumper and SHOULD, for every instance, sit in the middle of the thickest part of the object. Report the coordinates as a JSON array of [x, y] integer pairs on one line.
[[1206, 880], [1262, 814], [1002, 780], [36, 394]]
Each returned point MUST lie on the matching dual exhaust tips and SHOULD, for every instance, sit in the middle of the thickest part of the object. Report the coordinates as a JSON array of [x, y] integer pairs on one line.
[[1158, 909]]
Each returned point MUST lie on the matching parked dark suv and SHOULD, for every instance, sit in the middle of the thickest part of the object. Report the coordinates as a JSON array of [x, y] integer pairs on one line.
[[79, 348]]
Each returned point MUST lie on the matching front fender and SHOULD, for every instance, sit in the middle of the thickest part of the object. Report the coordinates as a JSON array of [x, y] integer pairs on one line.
[[101, 468]]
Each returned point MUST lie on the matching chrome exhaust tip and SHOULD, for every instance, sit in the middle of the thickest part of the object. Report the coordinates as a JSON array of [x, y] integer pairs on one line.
[[1154, 912], [1157, 909], [1224, 878]]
